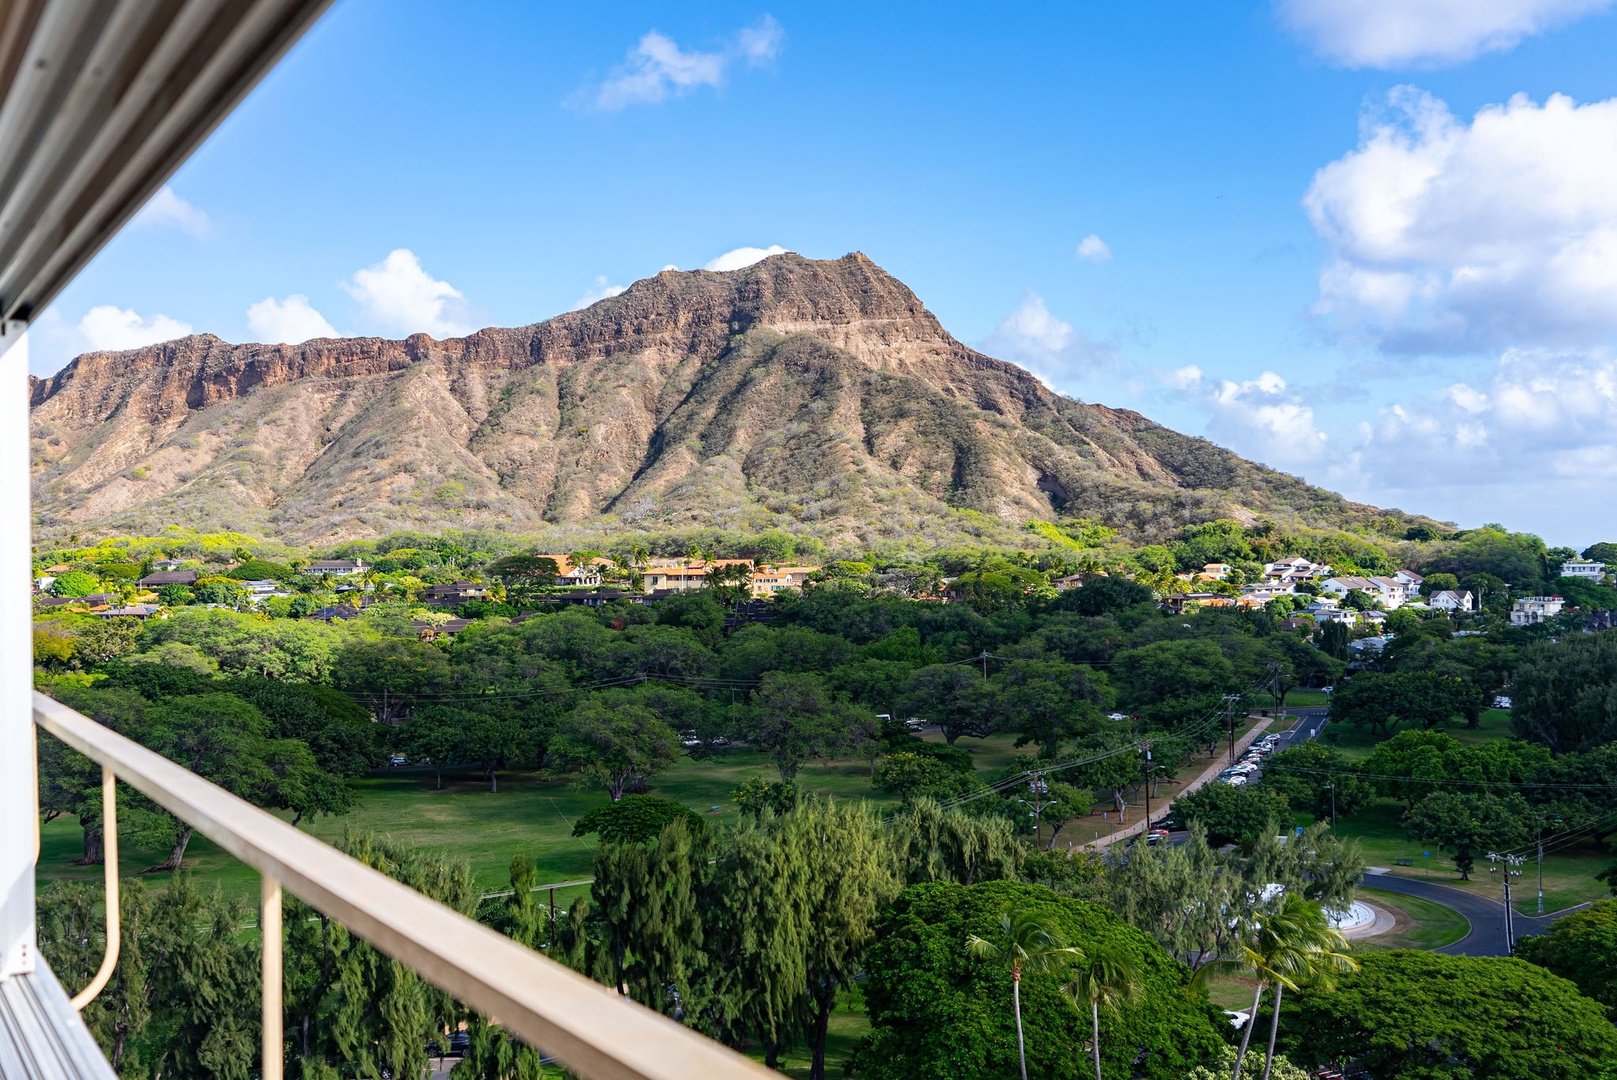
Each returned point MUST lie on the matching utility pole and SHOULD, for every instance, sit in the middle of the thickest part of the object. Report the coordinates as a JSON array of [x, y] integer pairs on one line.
[[1332, 786], [1148, 784], [1510, 871], [984, 658], [1541, 864], [1038, 788], [1229, 716]]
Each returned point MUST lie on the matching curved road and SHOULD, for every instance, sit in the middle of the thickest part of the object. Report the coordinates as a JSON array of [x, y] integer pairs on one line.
[[1487, 917]]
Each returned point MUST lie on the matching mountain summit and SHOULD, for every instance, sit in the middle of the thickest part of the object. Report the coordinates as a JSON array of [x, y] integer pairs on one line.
[[817, 396]]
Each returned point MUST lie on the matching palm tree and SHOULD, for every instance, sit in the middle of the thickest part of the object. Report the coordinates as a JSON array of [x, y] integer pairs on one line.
[[1291, 945], [1027, 942], [1103, 978]]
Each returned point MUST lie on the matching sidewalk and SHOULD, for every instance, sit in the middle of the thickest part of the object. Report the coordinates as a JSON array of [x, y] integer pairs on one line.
[[1159, 812]]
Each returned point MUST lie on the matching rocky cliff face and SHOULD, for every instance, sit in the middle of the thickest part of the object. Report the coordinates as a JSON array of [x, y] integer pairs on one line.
[[820, 397]]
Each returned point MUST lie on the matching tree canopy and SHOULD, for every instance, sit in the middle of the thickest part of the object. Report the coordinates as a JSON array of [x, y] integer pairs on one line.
[[1408, 1015]]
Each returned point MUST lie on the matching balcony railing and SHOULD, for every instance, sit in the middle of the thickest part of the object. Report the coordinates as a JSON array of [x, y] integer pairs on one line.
[[587, 1027]]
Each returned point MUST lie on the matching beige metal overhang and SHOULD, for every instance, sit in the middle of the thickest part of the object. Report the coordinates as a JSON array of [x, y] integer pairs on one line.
[[100, 102]]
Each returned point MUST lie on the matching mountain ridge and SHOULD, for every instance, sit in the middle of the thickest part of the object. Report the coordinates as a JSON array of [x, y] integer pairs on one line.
[[815, 396]]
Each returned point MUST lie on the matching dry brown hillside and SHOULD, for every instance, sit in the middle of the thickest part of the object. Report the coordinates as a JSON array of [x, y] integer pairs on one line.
[[818, 396]]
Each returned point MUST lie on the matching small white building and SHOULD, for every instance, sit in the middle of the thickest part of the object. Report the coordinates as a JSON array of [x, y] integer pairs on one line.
[[1535, 609], [337, 567], [1585, 569], [1410, 580], [1452, 600]]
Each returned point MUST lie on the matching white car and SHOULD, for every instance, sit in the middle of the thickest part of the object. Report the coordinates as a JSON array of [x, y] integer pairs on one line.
[[1236, 781]]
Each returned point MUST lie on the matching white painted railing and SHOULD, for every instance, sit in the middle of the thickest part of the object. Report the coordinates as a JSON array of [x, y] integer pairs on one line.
[[590, 1029]]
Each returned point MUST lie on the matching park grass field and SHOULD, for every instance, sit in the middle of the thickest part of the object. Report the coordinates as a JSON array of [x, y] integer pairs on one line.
[[1357, 743], [530, 815]]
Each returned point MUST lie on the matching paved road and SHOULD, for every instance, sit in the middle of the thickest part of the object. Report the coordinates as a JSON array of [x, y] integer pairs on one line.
[[1487, 917]]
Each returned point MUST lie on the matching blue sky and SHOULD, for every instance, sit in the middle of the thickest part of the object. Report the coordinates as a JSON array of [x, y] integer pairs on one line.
[[1373, 242]]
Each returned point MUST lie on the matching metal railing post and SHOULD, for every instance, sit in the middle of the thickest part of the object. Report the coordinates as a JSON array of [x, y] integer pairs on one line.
[[109, 859], [269, 922]]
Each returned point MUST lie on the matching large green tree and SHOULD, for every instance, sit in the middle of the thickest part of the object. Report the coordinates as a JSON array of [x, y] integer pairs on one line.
[[183, 1000], [797, 719], [936, 1012], [1581, 947], [619, 743], [1409, 1015], [1469, 823], [350, 1010], [1564, 694]]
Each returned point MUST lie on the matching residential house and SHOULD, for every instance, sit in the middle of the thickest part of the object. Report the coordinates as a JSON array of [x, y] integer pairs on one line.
[[1535, 609], [684, 577], [43, 582], [769, 580], [1584, 569], [59, 568], [586, 575], [1291, 571], [1365, 648], [1390, 591], [262, 587], [94, 600], [1387, 590], [1410, 580], [337, 567], [431, 632], [455, 594], [168, 577], [1452, 600], [1329, 613], [1179, 602], [133, 611], [167, 564]]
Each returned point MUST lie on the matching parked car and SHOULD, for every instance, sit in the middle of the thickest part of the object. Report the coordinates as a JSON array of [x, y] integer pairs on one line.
[[397, 759], [1501, 702], [1156, 836], [1236, 781]]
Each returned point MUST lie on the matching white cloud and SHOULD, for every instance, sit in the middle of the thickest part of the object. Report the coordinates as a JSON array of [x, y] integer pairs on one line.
[[110, 328], [657, 68], [399, 297], [1047, 345], [1541, 414], [290, 322], [168, 209], [1449, 236], [602, 291], [1262, 418], [1094, 249], [742, 257], [1424, 33], [761, 43]]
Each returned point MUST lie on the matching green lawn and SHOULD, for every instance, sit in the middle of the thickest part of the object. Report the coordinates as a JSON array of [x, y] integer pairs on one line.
[[1431, 926], [1356, 743], [529, 815], [1569, 874], [1306, 697]]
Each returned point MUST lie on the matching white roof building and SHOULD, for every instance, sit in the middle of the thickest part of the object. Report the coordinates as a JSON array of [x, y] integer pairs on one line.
[[1586, 569], [1535, 609]]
